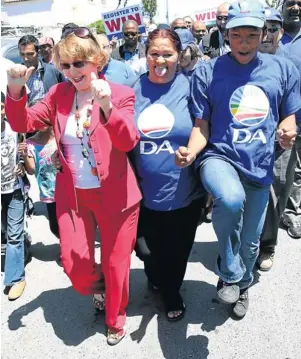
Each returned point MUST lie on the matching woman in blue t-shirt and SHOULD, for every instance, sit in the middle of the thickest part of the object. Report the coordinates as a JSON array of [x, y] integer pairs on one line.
[[170, 195], [239, 100]]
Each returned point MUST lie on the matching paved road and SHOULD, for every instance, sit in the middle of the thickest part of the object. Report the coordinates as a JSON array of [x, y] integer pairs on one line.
[[50, 320]]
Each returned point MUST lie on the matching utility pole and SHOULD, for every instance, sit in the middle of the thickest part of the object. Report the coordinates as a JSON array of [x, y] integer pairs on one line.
[[167, 13]]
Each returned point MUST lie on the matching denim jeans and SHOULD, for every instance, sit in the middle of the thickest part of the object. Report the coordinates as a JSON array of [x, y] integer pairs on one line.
[[12, 217], [239, 209]]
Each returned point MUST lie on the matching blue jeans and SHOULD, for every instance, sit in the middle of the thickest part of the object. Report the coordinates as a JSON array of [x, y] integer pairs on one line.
[[12, 217], [239, 210]]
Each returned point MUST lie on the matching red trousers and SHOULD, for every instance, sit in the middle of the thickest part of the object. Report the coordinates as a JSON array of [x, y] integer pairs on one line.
[[118, 234]]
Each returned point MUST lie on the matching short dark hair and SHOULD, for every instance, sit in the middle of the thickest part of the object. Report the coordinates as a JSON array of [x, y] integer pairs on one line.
[[27, 40], [69, 26], [165, 34], [2, 97]]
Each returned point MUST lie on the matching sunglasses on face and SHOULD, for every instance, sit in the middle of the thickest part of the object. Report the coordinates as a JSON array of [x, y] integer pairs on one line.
[[130, 34], [27, 54], [292, 3], [76, 64], [82, 32], [180, 27], [220, 18], [200, 31], [271, 30]]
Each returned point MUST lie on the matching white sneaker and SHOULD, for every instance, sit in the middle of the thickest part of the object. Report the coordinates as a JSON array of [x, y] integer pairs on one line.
[[265, 261]]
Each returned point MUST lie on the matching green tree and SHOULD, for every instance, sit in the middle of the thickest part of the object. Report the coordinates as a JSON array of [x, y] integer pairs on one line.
[[274, 3], [99, 26], [150, 8]]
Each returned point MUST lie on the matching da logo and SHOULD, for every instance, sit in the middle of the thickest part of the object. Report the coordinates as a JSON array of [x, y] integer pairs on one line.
[[156, 121], [249, 105]]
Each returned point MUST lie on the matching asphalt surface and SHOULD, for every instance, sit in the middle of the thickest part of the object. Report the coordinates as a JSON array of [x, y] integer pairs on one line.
[[51, 320]]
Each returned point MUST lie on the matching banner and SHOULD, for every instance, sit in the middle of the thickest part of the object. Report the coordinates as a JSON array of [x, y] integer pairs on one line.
[[114, 20], [207, 15]]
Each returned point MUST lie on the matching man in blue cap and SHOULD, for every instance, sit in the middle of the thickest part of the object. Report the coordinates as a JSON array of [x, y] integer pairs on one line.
[[240, 101], [285, 161]]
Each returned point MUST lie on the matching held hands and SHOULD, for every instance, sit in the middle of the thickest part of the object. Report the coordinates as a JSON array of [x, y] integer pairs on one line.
[[184, 157], [17, 76], [286, 137], [101, 92]]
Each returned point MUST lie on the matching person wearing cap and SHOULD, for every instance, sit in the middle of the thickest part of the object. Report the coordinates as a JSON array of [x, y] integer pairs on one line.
[[190, 52], [240, 101], [285, 161], [45, 48], [291, 39]]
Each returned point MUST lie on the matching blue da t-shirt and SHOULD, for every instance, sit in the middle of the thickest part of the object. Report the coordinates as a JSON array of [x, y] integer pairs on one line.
[[164, 121], [244, 104]]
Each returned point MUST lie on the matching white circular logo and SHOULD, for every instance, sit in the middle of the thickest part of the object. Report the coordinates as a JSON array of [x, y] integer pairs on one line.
[[249, 105], [156, 121]]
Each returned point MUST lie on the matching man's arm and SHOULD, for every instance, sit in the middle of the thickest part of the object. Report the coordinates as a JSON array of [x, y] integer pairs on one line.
[[287, 132]]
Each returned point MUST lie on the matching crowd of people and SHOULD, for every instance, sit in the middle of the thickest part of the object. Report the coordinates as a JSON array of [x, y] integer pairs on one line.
[[146, 140]]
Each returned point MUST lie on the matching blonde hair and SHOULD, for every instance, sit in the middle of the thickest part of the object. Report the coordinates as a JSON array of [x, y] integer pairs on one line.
[[86, 49]]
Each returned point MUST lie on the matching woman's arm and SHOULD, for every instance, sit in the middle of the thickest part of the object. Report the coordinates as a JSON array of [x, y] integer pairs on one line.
[[21, 118]]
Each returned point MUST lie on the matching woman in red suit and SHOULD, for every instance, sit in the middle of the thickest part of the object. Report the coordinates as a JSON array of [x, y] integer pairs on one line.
[[94, 127]]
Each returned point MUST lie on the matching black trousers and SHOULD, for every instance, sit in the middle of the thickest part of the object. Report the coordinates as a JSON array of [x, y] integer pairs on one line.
[[284, 171], [164, 243], [51, 209]]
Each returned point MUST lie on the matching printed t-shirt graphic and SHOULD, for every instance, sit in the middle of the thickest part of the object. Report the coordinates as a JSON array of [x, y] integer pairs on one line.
[[249, 105], [164, 122], [45, 171], [9, 181]]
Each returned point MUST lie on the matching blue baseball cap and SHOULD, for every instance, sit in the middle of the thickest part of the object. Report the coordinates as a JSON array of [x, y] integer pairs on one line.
[[163, 27], [273, 15], [246, 13], [186, 37]]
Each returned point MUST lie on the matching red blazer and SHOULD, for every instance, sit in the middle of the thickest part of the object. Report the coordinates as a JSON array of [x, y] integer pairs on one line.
[[109, 141]]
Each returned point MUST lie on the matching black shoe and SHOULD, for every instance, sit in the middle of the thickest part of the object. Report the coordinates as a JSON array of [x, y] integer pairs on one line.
[[228, 293], [240, 308]]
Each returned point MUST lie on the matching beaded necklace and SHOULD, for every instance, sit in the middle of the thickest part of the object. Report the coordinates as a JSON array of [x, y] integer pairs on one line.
[[80, 133]]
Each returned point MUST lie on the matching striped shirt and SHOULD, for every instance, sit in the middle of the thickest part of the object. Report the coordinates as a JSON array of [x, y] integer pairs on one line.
[[35, 85]]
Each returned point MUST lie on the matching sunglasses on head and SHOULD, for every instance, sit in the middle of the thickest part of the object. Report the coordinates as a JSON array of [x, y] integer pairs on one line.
[[76, 64], [220, 18], [82, 32], [132, 34], [180, 27]]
